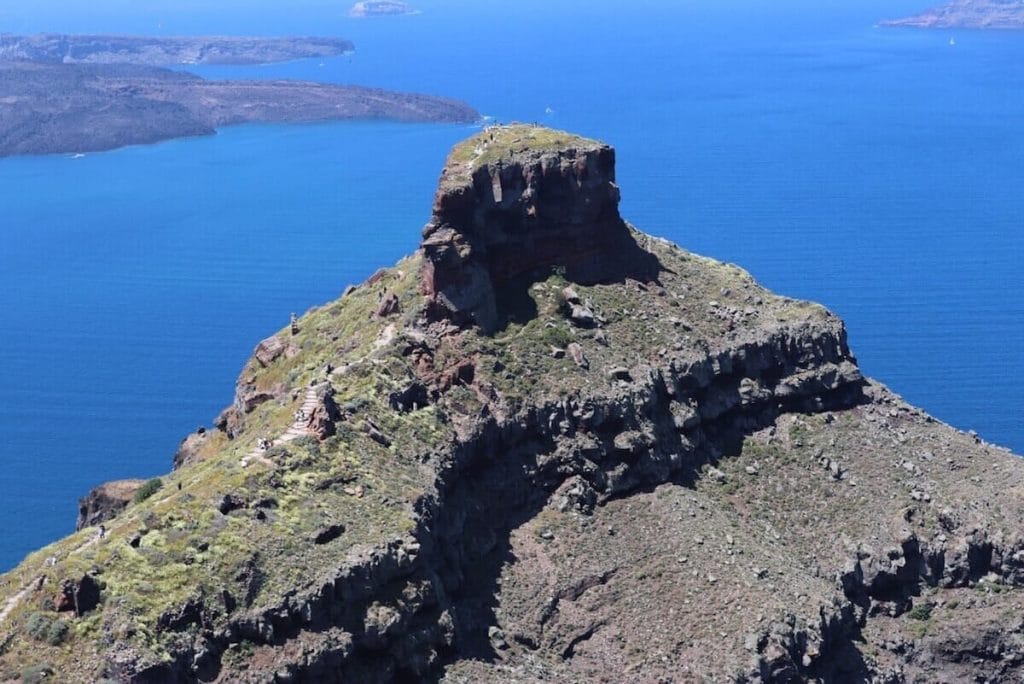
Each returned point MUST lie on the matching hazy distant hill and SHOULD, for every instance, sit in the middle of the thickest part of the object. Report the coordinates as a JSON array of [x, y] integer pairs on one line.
[[154, 51], [978, 14], [48, 108]]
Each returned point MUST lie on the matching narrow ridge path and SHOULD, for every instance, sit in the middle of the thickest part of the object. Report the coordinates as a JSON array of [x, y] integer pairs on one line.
[[12, 603]]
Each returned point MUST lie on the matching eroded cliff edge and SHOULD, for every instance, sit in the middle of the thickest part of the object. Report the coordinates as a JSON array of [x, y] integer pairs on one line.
[[503, 459]]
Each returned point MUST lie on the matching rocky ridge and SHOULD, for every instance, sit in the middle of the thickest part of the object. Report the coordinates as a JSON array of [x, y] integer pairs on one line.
[[615, 462]]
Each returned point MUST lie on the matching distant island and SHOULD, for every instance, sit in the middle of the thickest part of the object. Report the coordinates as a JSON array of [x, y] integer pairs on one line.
[[70, 108], [380, 8], [968, 14], [153, 51], [87, 93]]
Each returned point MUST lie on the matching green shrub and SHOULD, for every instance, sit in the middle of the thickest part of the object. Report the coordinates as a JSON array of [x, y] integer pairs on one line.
[[921, 612], [36, 673], [147, 490], [45, 628], [237, 656], [556, 337], [36, 625], [57, 633]]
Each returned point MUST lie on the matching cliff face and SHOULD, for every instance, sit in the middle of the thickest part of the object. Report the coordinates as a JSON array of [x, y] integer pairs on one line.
[[498, 461], [515, 205]]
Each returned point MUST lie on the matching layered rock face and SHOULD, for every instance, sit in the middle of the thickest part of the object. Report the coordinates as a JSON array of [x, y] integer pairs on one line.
[[519, 202], [663, 473]]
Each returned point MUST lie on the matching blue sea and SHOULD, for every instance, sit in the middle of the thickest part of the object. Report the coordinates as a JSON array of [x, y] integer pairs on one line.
[[877, 171]]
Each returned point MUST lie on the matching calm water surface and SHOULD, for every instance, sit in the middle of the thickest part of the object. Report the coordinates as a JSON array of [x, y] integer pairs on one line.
[[875, 171]]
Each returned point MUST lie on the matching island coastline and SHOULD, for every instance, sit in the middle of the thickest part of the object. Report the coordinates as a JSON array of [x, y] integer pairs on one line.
[[59, 48], [966, 14], [73, 109]]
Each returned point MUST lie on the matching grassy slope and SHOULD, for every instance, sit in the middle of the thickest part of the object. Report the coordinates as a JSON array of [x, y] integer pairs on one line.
[[188, 547]]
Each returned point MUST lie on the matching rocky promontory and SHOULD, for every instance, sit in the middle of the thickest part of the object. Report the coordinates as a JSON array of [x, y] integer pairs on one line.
[[505, 460], [968, 14], [517, 203], [106, 502], [49, 108], [59, 48]]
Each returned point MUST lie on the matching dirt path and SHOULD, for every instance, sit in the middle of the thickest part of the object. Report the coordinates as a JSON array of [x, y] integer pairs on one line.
[[12, 603]]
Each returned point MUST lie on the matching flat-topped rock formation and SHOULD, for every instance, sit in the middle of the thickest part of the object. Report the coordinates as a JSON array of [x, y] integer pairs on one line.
[[519, 202], [58, 48], [73, 108], [663, 473], [968, 14]]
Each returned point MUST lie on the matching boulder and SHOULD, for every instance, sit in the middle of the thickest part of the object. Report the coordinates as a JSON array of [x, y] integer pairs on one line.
[[80, 596], [388, 306], [326, 415], [273, 348], [578, 357]]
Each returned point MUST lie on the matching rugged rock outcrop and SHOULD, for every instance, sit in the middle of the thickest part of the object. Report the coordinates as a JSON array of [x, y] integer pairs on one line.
[[716, 493], [514, 204], [106, 502]]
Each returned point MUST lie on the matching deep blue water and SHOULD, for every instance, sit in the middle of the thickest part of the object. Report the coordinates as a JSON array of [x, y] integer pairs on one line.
[[876, 171]]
